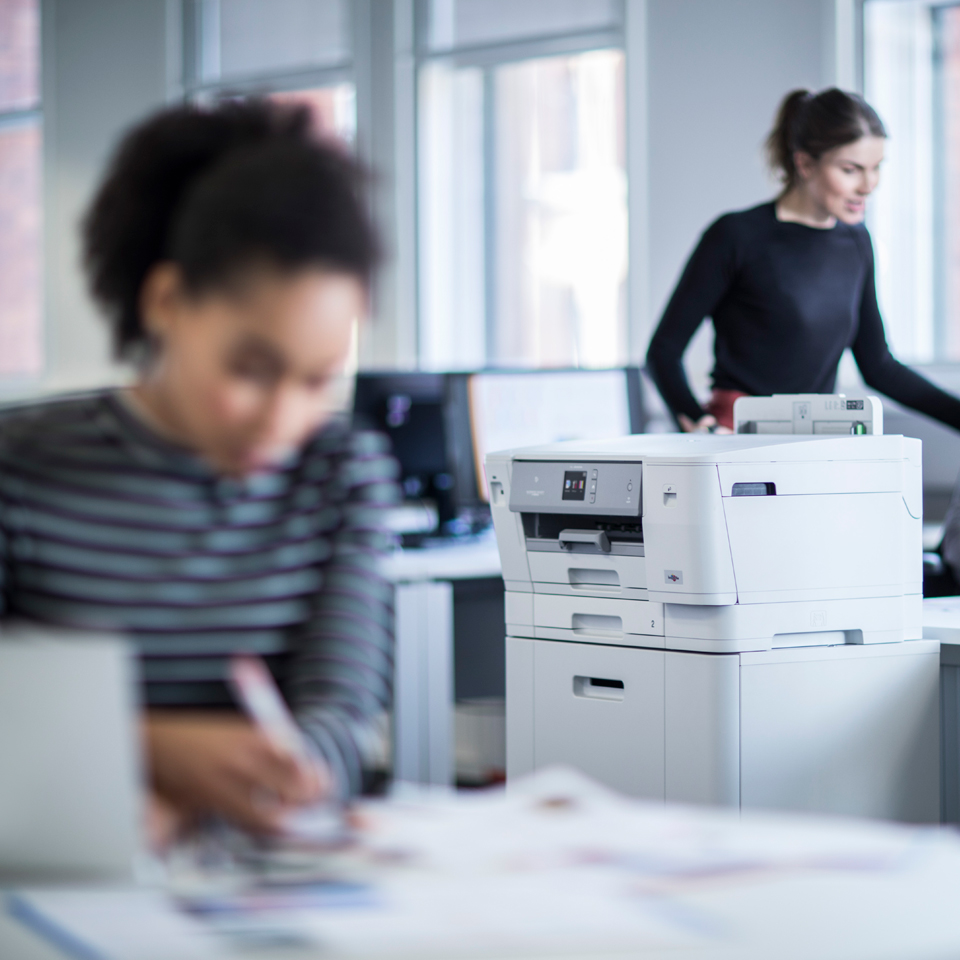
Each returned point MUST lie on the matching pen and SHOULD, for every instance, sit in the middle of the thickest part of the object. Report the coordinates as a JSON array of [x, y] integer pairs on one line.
[[257, 692]]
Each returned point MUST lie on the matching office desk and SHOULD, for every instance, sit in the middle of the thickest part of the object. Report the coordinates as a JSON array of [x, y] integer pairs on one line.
[[423, 694], [688, 884]]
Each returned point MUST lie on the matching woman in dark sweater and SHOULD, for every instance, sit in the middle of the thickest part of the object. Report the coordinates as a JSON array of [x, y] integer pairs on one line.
[[790, 284], [218, 506]]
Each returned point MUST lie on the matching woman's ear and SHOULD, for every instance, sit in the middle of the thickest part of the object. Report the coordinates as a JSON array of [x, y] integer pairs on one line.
[[804, 164], [161, 297]]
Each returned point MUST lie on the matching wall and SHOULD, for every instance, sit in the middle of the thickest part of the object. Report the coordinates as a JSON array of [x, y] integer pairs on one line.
[[105, 64], [715, 73], [704, 78]]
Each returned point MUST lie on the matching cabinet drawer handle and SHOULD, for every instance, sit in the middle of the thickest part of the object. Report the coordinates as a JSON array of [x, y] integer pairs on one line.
[[598, 688], [598, 624]]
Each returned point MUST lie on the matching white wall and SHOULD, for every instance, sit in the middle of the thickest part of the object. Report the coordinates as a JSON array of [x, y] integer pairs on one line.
[[716, 70], [105, 64]]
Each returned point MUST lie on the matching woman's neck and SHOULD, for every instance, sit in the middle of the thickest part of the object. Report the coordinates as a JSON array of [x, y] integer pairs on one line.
[[797, 206], [148, 399]]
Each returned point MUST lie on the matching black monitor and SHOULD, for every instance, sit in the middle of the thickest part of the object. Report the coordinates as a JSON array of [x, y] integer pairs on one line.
[[442, 425], [410, 408]]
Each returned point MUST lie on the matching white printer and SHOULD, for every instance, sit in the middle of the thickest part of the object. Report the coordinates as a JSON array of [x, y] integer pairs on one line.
[[722, 619]]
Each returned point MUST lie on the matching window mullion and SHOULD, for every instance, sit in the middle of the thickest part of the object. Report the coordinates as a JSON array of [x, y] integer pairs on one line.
[[491, 337]]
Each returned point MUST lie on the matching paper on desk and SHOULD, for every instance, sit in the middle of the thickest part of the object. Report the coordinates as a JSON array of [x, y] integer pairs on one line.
[[559, 819], [558, 863]]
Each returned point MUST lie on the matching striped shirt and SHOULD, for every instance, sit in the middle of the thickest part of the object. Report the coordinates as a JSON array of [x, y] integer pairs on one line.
[[106, 526]]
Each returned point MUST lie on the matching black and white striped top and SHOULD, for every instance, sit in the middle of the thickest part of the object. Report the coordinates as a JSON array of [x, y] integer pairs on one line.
[[105, 525]]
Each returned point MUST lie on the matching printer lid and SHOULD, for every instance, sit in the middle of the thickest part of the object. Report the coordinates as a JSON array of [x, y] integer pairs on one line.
[[712, 448]]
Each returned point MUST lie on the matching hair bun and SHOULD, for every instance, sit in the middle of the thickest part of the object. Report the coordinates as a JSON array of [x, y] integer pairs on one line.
[[815, 123]]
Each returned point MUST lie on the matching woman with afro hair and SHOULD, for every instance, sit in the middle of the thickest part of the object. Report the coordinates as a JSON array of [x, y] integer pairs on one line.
[[218, 505]]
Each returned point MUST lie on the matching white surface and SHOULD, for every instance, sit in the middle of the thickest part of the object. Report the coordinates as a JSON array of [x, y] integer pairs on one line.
[[848, 729], [808, 413], [619, 742], [809, 580], [702, 728], [423, 677], [941, 619], [423, 684], [520, 712], [844, 525], [69, 766], [519, 409], [472, 560], [558, 866], [480, 735]]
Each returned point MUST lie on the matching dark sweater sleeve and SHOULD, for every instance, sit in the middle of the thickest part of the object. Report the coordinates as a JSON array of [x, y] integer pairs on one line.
[[883, 373], [705, 279]]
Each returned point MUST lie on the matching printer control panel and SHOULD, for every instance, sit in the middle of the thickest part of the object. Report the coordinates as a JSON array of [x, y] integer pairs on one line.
[[604, 489]]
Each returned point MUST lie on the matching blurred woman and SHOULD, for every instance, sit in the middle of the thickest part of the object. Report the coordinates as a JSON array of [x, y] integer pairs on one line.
[[217, 505], [790, 284]]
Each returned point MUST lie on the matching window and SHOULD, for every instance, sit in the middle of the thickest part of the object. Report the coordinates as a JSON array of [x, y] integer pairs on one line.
[[292, 50], [21, 300], [912, 78], [522, 183]]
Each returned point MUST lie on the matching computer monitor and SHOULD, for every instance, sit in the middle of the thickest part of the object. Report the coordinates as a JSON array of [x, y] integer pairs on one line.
[[525, 408], [411, 409], [442, 425]]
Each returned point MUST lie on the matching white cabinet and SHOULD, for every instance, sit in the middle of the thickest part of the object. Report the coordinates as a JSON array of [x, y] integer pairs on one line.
[[850, 729], [594, 707], [846, 730]]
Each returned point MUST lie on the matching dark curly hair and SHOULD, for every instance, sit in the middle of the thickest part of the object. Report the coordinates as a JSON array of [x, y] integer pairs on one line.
[[815, 123], [217, 190]]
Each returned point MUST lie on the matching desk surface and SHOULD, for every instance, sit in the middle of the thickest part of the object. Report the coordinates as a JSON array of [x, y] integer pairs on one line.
[[674, 882], [471, 560]]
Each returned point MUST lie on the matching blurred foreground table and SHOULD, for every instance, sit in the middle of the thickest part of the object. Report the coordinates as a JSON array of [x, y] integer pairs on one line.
[[558, 866]]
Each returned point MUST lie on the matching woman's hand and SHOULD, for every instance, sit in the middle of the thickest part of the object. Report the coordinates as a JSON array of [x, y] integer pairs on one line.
[[222, 763], [162, 822], [706, 424]]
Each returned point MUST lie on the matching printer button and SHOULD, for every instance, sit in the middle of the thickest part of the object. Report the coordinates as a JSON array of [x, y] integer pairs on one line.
[[593, 488], [629, 486], [593, 476], [593, 498]]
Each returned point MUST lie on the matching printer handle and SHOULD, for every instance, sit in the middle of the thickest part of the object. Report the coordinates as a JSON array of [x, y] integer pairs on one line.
[[598, 538]]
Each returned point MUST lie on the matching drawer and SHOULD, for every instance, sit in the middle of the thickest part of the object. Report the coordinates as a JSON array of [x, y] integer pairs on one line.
[[596, 619], [600, 709], [599, 574]]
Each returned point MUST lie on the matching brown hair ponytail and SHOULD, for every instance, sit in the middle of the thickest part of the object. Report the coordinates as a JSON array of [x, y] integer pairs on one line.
[[816, 123]]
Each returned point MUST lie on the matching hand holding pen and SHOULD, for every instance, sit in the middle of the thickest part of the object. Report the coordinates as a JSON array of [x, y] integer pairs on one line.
[[256, 691]]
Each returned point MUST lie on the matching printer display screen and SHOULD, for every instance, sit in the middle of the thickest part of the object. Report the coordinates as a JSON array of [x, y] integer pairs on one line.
[[574, 484]]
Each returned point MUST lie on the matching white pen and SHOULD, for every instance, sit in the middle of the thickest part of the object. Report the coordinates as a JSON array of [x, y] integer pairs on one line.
[[257, 692], [319, 823]]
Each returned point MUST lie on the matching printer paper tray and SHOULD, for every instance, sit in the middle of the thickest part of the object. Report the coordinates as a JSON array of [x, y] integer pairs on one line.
[[598, 620], [574, 569]]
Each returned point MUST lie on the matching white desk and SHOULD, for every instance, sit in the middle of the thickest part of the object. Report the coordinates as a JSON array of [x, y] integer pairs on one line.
[[423, 695], [685, 884]]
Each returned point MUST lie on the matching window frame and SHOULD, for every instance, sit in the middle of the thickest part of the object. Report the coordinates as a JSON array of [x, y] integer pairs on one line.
[[196, 46], [487, 57], [11, 118], [944, 370]]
